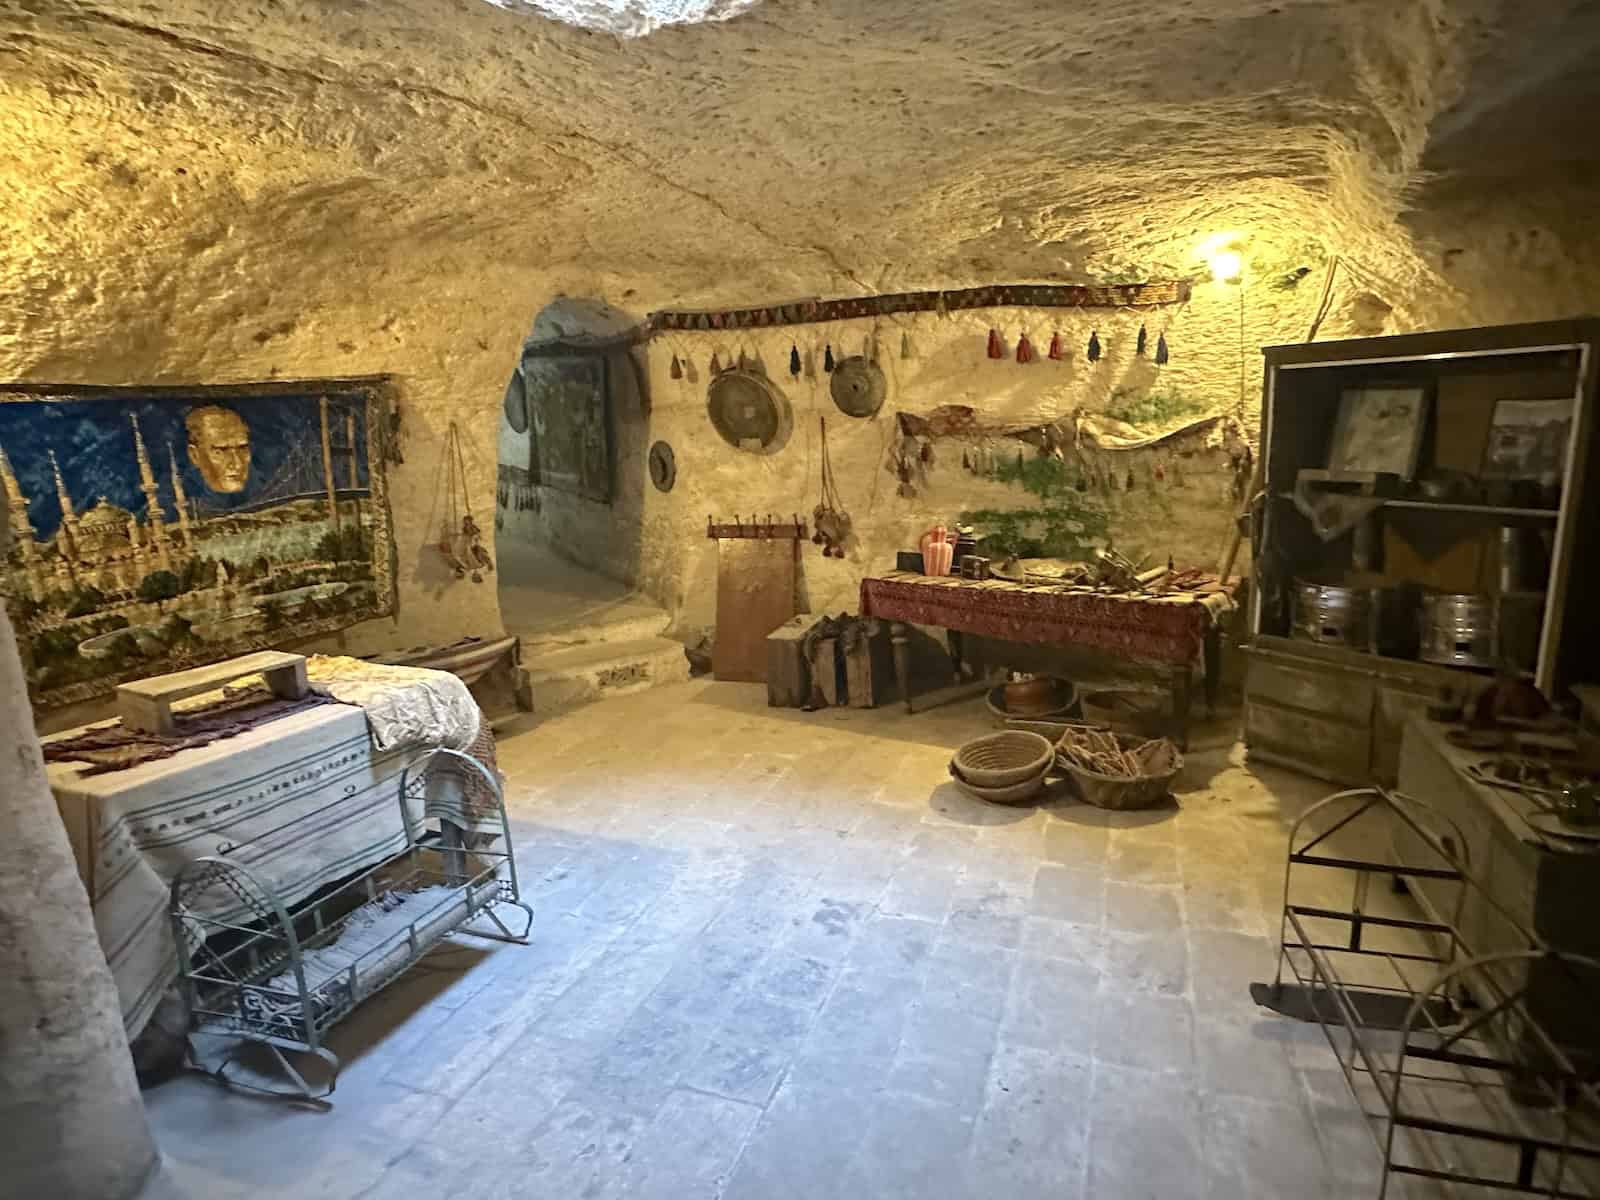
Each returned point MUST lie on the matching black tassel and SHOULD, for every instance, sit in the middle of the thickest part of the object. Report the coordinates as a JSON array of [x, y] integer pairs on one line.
[[1144, 340], [1094, 346], [1161, 350], [827, 358], [794, 361]]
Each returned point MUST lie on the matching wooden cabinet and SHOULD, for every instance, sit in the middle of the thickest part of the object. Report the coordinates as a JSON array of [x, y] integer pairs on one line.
[[1337, 711]]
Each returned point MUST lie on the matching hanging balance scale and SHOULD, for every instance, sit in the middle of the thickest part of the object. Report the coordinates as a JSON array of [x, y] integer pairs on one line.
[[858, 386]]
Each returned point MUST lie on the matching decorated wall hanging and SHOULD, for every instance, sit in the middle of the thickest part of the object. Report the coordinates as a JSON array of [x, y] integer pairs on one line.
[[155, 529], [663, 467], [460, 541], [749, 411], [858, 387], [1094, 346], [515, 404], [569, 408], [1011, 295], [831, 521]]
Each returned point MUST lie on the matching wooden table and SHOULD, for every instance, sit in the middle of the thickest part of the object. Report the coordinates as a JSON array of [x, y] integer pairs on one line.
[[1173, 631]]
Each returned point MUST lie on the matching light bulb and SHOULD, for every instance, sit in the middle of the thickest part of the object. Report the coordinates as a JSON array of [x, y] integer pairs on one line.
[[1226, 266]]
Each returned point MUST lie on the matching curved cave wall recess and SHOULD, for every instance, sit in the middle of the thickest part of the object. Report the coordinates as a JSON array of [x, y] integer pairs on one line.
[[573, 443]]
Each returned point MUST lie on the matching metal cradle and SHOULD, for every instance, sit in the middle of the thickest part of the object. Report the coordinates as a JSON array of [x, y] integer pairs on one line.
[[1471, 1069], [256, 972]]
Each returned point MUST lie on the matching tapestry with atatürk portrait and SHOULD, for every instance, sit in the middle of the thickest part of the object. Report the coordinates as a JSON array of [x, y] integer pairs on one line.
[[153, 529]]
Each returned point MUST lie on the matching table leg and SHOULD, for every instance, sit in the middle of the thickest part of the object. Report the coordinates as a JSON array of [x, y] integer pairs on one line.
[[957, 652], [1181, 700], [900, 639], [1213, 665]]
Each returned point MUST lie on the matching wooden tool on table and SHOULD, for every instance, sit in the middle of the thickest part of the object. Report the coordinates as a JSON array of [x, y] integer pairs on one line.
[[146, 704]]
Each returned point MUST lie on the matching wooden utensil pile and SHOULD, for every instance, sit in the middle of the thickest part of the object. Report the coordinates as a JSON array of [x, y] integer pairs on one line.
[[1098, 750]]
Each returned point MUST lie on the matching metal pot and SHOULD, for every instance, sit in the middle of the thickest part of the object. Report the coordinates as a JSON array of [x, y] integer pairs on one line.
[[1458, 630], [1334, 616]]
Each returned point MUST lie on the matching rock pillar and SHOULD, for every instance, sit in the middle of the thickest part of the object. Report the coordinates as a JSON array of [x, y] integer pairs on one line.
[[74, 1123]]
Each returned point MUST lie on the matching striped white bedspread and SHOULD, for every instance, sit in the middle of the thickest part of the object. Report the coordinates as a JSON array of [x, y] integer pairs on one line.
[[300, 802]]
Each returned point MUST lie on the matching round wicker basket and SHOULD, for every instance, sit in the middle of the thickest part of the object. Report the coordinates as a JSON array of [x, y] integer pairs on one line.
[[1016, 793], [1159, 761], [999, 760]]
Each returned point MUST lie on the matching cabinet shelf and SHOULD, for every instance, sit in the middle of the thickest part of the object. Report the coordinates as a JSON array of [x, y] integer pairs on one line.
[[1485, 510], [1505, 512]]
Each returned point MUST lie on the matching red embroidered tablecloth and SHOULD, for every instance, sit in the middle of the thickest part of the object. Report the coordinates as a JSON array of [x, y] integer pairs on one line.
[[1167, 629]]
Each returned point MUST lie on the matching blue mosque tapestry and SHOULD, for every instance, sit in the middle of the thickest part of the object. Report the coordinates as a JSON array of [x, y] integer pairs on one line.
[[157, 529]]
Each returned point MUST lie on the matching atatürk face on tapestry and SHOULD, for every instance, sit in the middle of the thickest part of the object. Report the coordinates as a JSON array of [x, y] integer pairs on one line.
[[219, 445]]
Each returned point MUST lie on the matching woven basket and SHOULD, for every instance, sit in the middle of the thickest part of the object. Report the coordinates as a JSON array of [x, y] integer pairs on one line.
[[1016, 793], [1161, 762], [1000, 760]]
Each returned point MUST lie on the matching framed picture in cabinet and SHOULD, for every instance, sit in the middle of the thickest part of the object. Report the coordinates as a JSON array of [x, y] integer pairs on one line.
[[1379, 428]]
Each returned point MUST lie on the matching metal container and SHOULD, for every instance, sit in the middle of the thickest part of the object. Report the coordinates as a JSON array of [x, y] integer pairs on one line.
[[1334, 616], [1458, 630]]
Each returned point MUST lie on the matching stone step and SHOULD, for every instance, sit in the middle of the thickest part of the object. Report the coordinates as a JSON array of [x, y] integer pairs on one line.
[[623, 621], [571, 675]]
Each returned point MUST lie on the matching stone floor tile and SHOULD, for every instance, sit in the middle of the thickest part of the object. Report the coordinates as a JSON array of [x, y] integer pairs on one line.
[[1075, 894], [1077, 837], [1224, 965], [796, 978], [1079, 943], [1052, 1005], [1146, 962], [1240, 1057], [920, 889], [1145, 1030], [1146, 1138], [1255, 1148], [689, 1150], [1031, 1138], [804, 1142], [1134, 858], [892, 945], [1143, 908]]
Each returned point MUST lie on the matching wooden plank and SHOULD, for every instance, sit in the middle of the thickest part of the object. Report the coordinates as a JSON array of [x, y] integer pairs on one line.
[[146, 704], [755, 595]]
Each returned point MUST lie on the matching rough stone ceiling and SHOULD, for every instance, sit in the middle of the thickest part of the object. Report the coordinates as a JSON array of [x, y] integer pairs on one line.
[[149, 147]]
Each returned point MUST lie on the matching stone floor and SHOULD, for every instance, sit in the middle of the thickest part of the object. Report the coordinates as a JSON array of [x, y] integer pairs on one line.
[[779, 955]]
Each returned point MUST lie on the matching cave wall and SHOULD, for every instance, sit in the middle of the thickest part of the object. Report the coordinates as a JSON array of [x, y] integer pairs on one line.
[[1187, 516], [302, 189]]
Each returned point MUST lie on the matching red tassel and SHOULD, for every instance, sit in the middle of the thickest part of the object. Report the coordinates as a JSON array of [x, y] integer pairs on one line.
[[716, 365], [996, 349], [1055, 347], [1024, 350]]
